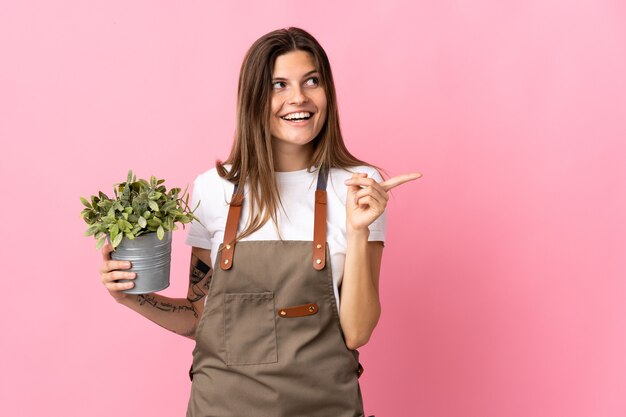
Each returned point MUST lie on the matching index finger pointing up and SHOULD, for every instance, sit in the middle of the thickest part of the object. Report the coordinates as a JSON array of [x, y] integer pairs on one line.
[[400, 179]]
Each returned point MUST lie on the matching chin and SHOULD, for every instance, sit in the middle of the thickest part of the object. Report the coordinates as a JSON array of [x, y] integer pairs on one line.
[[299, 139]]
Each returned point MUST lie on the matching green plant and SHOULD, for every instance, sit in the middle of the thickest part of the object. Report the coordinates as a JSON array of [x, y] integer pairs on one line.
[[139, 207]]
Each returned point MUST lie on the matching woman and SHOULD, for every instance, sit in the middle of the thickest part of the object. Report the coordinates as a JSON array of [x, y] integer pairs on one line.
[[278, 318]]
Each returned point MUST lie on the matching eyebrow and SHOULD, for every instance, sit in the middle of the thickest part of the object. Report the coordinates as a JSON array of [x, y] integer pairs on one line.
[[285, 79]]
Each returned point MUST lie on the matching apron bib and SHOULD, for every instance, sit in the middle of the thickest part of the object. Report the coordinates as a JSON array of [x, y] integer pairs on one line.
[[269, 343]]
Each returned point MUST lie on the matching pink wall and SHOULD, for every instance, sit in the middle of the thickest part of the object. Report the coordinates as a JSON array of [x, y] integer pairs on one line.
[[503, 278]]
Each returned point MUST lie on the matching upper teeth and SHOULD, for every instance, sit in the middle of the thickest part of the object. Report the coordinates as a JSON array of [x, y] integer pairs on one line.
[[297, 115]]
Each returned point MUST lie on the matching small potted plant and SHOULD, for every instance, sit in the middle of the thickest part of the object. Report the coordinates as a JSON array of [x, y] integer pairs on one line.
[[138, 223]]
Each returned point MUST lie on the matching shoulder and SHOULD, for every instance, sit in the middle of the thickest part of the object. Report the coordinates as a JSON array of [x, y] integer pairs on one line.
[[212, 179], [213, 188]]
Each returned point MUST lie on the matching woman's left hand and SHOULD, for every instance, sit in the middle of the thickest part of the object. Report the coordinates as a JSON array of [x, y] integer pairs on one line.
[[366, 198]]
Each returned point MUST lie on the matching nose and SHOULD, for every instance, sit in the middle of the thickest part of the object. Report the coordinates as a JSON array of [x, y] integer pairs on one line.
[[297, 96]]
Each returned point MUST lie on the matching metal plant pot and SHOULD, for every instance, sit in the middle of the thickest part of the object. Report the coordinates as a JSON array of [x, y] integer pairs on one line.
[[150, 259]]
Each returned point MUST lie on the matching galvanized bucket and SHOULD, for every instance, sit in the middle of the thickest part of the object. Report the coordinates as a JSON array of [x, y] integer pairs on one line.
[[150, 259]]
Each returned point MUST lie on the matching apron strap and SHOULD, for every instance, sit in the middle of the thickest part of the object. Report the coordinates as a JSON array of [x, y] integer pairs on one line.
[[230, 232], [319, 227]]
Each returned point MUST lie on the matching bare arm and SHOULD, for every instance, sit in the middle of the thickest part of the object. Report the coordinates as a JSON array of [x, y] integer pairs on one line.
[[360, 302], [179, 315], [366, 200]]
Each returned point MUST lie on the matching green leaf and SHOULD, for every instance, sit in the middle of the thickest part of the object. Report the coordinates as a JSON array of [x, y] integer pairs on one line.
[[153, 205], [100, 242], [154, 195], [92, 230], [113, 235], [169, 205], [154, 222], [117, 240], [130, 235], [127, 226], [142, 221], [160, 232], [85, 202]]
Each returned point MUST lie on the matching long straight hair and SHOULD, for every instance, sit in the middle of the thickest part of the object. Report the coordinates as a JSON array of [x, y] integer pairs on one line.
[[251, 156]]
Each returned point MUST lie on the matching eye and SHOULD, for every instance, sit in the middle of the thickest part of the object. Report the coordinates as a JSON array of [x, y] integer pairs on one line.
[[315, 80], [278, 84]]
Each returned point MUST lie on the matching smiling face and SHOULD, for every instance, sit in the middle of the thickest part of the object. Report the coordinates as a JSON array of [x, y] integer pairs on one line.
[[298, 103]]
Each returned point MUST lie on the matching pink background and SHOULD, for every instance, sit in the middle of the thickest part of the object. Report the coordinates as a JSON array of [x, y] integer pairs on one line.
[[503, 280]]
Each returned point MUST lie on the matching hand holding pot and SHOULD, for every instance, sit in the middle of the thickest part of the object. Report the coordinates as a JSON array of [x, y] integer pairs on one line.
[[111, 271]]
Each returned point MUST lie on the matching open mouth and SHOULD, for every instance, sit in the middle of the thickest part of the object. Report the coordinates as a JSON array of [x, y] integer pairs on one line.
[[296, 117]]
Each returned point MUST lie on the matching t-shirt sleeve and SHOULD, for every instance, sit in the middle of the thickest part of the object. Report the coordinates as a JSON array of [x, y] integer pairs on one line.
[[200, 236], [378, 228]]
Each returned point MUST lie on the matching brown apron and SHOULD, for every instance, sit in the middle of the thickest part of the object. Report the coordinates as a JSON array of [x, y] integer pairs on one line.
[[269, 343]]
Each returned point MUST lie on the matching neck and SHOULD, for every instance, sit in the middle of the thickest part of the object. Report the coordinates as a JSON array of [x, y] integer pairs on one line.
[[291, 157]]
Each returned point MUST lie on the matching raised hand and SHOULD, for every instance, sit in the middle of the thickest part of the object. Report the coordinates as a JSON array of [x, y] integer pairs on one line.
[[366, 198]]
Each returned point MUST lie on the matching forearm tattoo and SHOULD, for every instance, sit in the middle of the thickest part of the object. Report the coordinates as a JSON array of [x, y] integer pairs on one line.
[[199, 271], [163, 306], [199, 282]]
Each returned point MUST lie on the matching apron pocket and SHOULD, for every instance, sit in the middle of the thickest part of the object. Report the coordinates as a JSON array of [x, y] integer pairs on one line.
[[249, 328]]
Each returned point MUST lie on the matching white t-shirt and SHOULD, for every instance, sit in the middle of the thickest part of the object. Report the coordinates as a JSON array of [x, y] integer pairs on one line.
[[297, 193]]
